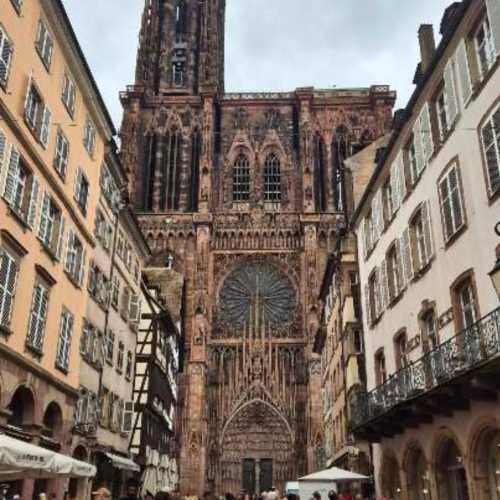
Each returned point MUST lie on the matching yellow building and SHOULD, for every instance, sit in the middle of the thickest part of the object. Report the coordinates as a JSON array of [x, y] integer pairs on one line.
[[54, 133]]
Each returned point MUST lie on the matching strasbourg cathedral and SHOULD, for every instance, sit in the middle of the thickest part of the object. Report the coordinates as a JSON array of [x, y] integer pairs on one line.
[[248, 194]]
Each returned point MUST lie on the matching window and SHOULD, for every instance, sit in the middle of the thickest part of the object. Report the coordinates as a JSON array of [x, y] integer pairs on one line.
[[180, 21], [37, 115], [8, 280], [64, 344], [442, 114], [115, 295], [368, 230], [395, 271], [98, 285], [6, 49], [380, 368], [272, 179], [137, 271], [485, 48], [450, 198], [128, 369], [44, 44], [38, 316], [374, 300], [241, 179], [68, 95], [429, 331], [135, 308], [108, 186], [75, 259], [179, 73], [103, 231], [51, 229], [490, 134], [86, 408], [421, 238], [61, 154], [110, 346], [467, 306], [89, 137], [121, 353], [388, 197], [21, 189], [92, 345], [81, 190], [413, 161], [401, 350], [120, 245], [125, 309]]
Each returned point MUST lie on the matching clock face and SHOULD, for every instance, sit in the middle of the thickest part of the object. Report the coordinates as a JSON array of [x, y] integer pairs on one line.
[[262, 283]]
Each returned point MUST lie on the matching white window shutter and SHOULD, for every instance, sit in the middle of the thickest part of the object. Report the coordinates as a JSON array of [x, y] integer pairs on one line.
[[78, 183], [400, 269], [12, 175], [134, 308], [60, 238], [81, 276], [407, 255], [394, 188], [367, 305], [426, 134], [128, 416], [45, 129], [3, 150], [493, 8], [28, 91], [419, 153], [5, 56], [42, 227], [363, 238], [8, 281], [451, 95], [463, 70], [69, 251], [429, 240], [34, 201], [384, 287], [402, 191]]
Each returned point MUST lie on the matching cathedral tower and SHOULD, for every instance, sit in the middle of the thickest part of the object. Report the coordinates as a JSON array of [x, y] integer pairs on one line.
[[248, 193]]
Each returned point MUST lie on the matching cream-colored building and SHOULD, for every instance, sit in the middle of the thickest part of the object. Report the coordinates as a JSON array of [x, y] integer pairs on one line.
[[425, 228], [54, 135]]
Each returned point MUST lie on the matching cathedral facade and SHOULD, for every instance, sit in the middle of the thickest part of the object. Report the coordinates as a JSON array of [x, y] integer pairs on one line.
[[247, 194]]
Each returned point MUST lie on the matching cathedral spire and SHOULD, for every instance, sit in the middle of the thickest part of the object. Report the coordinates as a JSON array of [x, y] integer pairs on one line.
[[181, 47]]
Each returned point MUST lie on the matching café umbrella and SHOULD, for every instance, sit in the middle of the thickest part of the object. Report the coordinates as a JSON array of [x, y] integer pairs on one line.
[[21, 460]]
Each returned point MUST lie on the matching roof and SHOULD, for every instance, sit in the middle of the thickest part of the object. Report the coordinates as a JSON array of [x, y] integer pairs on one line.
[[456, 19], [334, 475]]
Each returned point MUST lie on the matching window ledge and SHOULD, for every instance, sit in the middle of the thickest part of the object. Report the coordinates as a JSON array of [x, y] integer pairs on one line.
[[60, 368], [494, 196], [18, 217], [73, 280], [394, 300], [49, 251], [37, 352], [423, 270]]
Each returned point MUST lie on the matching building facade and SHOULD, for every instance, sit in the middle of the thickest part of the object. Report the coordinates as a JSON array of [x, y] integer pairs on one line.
[[54, 134], [425, 227], [158, 360], [246, 193]]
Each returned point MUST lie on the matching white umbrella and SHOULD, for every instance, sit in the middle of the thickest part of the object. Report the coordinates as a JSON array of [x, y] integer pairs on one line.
[[334, 475]]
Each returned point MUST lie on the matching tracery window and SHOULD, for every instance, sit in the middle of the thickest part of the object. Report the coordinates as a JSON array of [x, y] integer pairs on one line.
[[272, 179], [241, 179], [171, 171], [196, 143], [320, 184], [180, 21]]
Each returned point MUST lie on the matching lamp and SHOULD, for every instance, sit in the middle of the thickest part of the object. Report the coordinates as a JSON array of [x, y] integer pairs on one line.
[[495, 273]]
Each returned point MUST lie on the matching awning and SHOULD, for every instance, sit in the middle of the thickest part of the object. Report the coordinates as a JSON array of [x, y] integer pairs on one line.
[[19, 459], [334, 475], [123, 463]]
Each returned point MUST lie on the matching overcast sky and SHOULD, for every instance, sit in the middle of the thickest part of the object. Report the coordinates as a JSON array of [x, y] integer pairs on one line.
[[274, 45]]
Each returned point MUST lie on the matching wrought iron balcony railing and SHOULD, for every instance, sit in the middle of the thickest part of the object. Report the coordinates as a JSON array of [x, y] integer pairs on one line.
[[470, 349]]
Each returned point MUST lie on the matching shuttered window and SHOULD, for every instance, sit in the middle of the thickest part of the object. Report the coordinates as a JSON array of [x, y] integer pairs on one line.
[[115, 295], [463, 73], [128, 369], [450, 198], [44, 44], [8, 280], [64, 343], [6, 49], [81, 190], [485, 48], [110, 346], [490, 135], [121, 354], [134, 308], [51, 227], [75, 258], [68, 95], [421, 237], [89, 137], [394, 271], [61, 154], [37, 115], [38, 317]]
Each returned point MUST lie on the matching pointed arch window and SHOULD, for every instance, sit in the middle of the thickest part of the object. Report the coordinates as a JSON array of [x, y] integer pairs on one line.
[[272, 179], [241, 179], [320, 181], [180, 21], [170, 189], [196, 142]]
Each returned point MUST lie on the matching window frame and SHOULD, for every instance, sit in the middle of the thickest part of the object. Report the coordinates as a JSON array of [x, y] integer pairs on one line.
[[272, 179], [241, 179], [41, 46], [488, 120], [66, 325], [68, 93], [60, 161], [89, 137], [35, 340], [8, 285], [7, 62], [487, 44]]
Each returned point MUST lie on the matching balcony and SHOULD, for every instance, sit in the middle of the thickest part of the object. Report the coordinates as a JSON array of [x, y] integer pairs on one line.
[[444, 380]]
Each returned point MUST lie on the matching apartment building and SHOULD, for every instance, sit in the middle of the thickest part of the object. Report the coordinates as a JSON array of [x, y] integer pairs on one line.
[[109, 333], [158, 363], [427, 244], [54, 135]]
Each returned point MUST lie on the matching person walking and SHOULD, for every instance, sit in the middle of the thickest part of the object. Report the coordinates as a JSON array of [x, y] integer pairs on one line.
[[332, 495], [101, 494], [132, 491]]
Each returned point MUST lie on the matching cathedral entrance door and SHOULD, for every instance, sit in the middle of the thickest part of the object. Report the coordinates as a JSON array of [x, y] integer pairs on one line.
[[266, 475], [249, 476]]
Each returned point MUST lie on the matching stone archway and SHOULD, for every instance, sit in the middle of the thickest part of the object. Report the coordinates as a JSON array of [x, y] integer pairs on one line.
[[257, 449]]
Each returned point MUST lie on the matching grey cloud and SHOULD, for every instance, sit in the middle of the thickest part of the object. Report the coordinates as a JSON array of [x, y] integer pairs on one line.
[[274, 44]]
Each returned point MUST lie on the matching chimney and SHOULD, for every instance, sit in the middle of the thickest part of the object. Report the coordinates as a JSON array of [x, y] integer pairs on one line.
[[427, 45]]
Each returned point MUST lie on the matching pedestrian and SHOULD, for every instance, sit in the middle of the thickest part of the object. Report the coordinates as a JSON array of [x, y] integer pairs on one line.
[[162, 495], [132, 490], [148, 495], [273, 494], [101, 494], [316, 495], [332, 495]]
